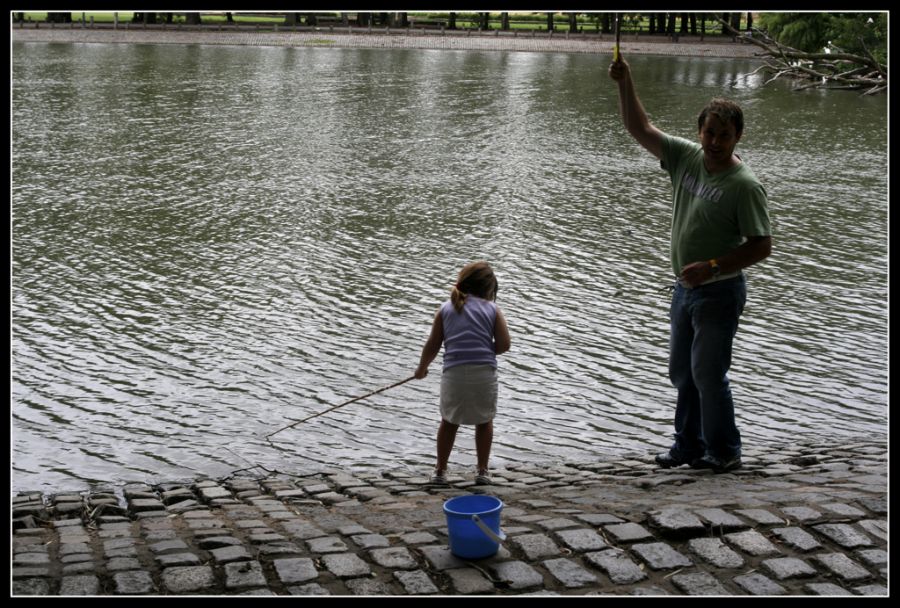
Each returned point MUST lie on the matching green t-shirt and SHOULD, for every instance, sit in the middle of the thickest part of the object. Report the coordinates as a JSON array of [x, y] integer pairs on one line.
[[711, 213]]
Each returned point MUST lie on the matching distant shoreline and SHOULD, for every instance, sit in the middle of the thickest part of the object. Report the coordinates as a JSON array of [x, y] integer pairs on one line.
[[324, 37]]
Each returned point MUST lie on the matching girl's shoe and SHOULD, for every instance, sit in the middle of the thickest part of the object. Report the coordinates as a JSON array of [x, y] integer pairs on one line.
[[439, 478], [483, 478]]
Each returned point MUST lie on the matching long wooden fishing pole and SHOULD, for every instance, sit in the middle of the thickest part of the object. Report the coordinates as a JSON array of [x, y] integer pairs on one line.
[[618, 35], [375, 392]]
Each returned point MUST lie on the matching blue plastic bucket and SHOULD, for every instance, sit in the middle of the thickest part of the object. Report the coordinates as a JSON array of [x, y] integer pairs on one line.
[[473, 524]]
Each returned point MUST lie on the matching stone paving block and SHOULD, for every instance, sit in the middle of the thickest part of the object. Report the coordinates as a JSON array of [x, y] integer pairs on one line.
[[873, 557], [211, 493], [441, 558], [79, 568], [217, 542], [328, 544], [801, 514], [467, 581], [233, 553], [303, 530], [535, 546], [188, 579], [783, 568], [871, 590], [699, 583], [761, 516], [178, 559], [569, 573], [752, 542], [140, 505], [877, 528], [397, 558], [240, 575], [660, 556], [721, 520], [368, 587], [295, 570], [118, 564], [168, 545], [714, 551], [628, 532], [417, 538], [842, 509], [250, 524], [826, 589], [757, 584], [80, 585], [33, 558], [346, 565], [134, 582], [31, 586], [617, 566], [268, 537], [370, 541], [581, 540], [676, 522], [310, 589], [417, 582], [517, 574], [797, 538], [845, 535], [70, 548], [557, 523], [599, 519], [842, 566]]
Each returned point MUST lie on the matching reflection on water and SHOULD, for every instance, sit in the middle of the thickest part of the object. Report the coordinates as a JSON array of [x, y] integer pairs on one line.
[[212, 242]]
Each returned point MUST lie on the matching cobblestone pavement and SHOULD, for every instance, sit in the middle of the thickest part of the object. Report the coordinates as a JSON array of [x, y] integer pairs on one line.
[[397, 39], [809, 519]]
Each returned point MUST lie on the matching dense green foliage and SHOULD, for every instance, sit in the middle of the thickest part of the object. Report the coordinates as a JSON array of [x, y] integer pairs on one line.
[[854, 33]]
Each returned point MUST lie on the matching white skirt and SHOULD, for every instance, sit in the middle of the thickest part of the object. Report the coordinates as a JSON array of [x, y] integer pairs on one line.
[[469, 394]]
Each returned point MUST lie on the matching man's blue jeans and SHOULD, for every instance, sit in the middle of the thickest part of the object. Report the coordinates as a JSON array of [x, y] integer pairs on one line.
[[704, 321]]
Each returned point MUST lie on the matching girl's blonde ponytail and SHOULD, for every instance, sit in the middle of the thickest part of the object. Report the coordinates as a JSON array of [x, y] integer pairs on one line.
[[458, 298]]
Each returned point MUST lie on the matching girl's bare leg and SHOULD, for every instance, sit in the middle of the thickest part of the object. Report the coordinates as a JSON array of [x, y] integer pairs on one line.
[[484, 437], [445, 438]]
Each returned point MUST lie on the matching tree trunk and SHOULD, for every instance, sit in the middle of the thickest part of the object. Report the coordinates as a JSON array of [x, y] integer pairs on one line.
[[549, 22], [652, 23], [311, 19], [451, 21], [345, 20], [484, 21], [192, 18], [661, 23], [229, 17], [693, 18], [749, 21], [684, 23], [504, 21]]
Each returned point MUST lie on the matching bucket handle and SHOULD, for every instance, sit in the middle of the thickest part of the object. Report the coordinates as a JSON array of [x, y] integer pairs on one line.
[[497, 538]]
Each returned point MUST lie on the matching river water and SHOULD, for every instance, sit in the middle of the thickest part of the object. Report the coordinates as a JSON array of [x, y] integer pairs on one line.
[[210, 243]]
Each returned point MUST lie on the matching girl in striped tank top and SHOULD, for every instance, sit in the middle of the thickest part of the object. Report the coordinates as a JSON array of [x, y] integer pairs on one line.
[[473, 331]]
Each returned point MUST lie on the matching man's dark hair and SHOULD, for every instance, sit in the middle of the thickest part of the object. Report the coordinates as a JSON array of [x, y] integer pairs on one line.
[[726, 111]]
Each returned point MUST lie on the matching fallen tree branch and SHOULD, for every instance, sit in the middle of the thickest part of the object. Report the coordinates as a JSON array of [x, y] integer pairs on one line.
[[823, 70]]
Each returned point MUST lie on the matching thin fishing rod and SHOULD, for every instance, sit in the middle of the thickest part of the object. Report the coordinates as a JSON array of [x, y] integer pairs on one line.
[[331, 409], [618, 35]]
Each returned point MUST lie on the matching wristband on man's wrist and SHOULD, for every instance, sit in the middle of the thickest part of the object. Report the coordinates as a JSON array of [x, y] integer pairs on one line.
[[714, 265]]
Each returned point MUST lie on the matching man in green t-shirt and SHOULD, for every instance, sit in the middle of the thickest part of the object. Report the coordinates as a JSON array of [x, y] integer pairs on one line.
[[720, 225]]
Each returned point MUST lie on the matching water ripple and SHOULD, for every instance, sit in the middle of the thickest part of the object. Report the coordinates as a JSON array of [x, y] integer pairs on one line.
[[233, 250]]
